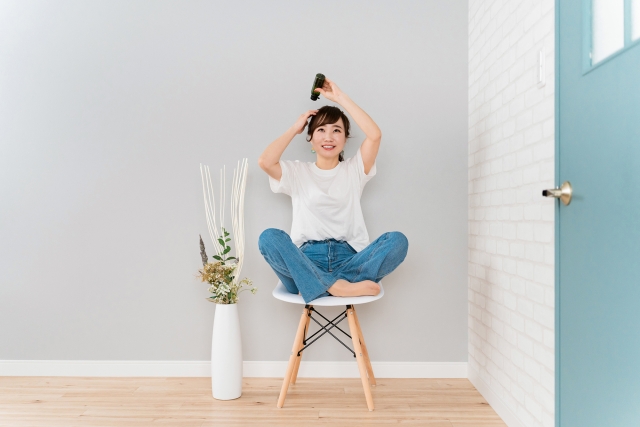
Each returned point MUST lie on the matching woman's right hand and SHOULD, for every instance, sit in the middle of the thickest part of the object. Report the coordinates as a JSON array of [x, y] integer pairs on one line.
[[302, 121]]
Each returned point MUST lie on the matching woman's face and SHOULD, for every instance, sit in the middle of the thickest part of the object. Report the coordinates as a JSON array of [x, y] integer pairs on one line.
[[328, 140]]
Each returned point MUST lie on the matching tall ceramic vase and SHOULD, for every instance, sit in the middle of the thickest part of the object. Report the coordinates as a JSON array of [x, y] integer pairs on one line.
[[226, 353]]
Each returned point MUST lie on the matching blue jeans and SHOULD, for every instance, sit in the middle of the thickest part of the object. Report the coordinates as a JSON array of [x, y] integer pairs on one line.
[[314, 267]]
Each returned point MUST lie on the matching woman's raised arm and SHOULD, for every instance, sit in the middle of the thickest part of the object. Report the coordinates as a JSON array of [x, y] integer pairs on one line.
[[269, 161], [371, 144]]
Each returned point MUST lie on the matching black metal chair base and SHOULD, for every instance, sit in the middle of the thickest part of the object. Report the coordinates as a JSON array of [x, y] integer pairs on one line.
[[326, 330]]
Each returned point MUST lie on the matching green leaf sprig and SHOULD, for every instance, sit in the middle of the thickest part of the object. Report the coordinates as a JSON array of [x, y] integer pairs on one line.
[[222, 241]]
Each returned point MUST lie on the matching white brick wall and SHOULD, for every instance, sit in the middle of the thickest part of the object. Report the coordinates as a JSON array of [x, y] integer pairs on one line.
[[511, 226]]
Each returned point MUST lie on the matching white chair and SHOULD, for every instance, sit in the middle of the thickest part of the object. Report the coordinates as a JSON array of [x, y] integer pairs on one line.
[[301, 340]]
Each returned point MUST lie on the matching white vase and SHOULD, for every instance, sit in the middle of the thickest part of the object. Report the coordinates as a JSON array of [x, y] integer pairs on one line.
[[226, 353]]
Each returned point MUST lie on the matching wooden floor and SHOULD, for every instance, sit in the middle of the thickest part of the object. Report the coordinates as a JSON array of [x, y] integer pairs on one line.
[[187, 402]]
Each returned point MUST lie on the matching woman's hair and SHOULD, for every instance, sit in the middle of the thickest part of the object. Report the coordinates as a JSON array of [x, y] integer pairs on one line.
[[328, 115]]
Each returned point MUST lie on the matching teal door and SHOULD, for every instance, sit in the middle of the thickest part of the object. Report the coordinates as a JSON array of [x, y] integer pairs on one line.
[[598, 233]]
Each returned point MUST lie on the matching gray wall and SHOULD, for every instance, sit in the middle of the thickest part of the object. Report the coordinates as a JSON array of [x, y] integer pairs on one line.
[[108, 107]]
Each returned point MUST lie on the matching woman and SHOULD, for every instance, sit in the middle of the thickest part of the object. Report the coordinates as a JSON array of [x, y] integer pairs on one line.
[[328, 252]]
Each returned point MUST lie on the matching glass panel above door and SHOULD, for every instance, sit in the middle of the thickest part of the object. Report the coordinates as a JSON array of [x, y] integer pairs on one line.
[[607, 28]]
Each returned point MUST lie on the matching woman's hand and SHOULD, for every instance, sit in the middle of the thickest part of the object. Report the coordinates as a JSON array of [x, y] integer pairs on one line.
[[302, 121], [371, 144], [331, 91]]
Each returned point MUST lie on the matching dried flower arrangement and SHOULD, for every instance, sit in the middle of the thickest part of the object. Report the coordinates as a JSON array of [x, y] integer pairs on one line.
[[219, 275], [222, 275]]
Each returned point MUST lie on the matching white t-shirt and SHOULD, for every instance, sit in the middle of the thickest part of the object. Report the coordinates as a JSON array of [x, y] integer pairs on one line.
[[326, 203]]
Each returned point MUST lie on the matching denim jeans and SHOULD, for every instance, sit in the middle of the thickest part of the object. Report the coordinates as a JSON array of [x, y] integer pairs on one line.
[[314, 267]]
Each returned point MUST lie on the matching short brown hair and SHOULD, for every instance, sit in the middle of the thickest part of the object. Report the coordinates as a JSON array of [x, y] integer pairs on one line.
[[328, 115]]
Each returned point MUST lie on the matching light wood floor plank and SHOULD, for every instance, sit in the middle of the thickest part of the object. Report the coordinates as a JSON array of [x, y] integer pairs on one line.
[[187, 402]]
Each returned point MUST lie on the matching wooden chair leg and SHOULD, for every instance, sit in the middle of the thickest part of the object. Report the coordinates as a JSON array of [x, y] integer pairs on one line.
[[297, 344], [365, 352], [359, 356], [294, 376]]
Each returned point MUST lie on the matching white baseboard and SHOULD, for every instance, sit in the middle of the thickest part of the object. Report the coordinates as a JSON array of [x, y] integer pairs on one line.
[[152, 368], [495, 401]]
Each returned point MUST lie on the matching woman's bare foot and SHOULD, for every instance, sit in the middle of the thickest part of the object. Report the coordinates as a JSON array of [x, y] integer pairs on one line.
[[342, 288]]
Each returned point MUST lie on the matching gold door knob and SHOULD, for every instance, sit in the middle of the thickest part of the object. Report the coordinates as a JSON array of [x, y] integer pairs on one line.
[[563, 193]]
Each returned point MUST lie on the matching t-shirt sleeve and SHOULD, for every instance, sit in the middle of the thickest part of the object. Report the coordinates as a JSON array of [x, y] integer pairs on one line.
[[364, 178], [286, 180]]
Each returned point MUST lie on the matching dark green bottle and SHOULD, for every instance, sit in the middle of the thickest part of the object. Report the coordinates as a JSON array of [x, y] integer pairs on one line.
[[318, 82]]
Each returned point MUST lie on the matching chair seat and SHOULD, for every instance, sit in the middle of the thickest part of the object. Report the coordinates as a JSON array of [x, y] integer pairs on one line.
[[281, 293]]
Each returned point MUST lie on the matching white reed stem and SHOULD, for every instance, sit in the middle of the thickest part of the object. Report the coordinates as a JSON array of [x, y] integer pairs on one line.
[[240, 231], [210, 209], [242, 186], [223, 190], [234, 209], [206, 203], [234, 220], [238, 186], [217, 231]]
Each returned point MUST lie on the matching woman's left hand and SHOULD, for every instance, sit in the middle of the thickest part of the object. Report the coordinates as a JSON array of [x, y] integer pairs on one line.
[[331, 91]]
